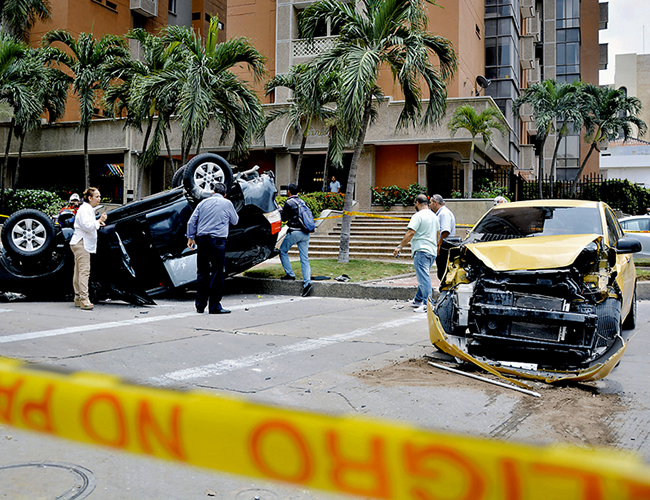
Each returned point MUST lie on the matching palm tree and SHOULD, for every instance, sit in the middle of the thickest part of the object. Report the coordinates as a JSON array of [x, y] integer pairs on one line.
[[475, 123], [206, 87], [87, 60], [19, 16], [552, 103], [142, 103], [18, 88], [380, 34], [606, 113], [309, 104], [50, 95]]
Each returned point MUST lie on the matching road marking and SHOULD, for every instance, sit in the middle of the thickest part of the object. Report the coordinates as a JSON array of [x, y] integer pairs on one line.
[[228, 365], [136, 321], [5, 310]]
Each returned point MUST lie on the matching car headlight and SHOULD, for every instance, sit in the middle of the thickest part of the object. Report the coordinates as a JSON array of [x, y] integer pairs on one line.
[[587, 259]]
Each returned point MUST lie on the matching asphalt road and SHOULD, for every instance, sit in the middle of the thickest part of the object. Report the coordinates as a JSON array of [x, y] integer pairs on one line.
[[324, 354]]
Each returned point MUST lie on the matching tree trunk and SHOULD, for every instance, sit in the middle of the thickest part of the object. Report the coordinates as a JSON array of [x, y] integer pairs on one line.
[[344, 247], [582, 167], [20, 154], [141, 160], [326, 169], [540, 170], [469, 177], [3, 171], [300, 155], [169, 150], [553, 161], [86, 158]]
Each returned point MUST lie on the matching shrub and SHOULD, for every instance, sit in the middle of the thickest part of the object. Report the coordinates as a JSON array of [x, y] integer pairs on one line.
[[619, 194], [395, 195], [45, 201]]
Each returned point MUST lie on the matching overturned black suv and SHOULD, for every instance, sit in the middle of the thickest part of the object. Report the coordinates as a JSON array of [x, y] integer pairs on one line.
[[142, 250]]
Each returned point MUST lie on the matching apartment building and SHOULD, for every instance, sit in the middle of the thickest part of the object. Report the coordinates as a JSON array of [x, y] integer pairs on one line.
[[502, 46]]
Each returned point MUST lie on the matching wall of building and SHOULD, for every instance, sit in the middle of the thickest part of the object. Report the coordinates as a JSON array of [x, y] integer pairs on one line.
[[633, 73], [396, 165]]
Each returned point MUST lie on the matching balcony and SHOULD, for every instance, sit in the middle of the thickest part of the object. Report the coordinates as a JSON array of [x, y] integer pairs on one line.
[[532, 27], [603, 58], [527, 52], [527, 158], [526, 112], [527, 8], [603, 18], [534, 74], [147, 8], [304, 48]]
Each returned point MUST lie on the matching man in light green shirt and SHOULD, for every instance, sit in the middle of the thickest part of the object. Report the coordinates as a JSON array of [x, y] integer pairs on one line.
[[422, 231]]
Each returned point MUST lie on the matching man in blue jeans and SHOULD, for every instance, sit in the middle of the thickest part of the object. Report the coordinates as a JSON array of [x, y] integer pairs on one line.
[[295, 236], [422, 231], [207, 231]]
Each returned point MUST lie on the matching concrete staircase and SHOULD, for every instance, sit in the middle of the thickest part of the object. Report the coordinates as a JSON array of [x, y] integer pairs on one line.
[[372, 238]]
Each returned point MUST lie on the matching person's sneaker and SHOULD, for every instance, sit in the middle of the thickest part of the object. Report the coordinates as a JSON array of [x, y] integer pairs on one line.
[[414, 303], [86, 305], [286, 277], [307, 290], [420, 309]]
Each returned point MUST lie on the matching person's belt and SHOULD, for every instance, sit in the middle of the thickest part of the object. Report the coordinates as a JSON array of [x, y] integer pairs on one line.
[[212, 237]]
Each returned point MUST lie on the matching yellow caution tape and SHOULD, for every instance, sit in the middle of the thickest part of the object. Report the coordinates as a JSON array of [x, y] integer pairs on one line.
[[349, 455], [365, 214]]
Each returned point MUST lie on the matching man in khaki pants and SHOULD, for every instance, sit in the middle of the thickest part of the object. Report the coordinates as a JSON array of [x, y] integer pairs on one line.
[[84, 243]]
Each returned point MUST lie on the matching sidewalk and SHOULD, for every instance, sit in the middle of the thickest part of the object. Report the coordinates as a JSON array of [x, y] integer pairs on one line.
[[401, 287]]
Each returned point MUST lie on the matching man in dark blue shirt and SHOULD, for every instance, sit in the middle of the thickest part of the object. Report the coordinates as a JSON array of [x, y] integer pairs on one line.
[[207, 231]]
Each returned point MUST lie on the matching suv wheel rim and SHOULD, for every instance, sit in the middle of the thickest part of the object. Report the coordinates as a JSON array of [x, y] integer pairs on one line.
[[207, 175], [29, 234]]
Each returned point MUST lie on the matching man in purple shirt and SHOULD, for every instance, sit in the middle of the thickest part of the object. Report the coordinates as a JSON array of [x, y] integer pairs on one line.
[[207, 231]]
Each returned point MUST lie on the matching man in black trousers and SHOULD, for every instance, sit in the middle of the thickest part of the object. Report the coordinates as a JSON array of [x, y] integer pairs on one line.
[[207, 231]]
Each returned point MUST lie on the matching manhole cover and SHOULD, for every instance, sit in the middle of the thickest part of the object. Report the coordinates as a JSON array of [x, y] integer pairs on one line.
[[256, 494], [46, 480]]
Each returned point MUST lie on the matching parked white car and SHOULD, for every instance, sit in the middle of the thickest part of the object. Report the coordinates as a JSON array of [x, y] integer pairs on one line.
[[639, 227]]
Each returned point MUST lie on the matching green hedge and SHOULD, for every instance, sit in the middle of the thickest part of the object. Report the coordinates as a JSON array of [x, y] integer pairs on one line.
[[318, 201], [45, 201], [395, 195], [618, 193]]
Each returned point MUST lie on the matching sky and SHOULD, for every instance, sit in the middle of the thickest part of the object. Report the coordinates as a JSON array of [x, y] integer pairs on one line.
[[628, 32]]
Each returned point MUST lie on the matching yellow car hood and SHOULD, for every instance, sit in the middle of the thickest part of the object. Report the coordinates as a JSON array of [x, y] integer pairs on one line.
[[542, 252]]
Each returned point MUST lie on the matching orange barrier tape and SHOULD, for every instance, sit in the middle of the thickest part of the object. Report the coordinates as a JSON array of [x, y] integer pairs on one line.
[[365, 214], [350, 455]]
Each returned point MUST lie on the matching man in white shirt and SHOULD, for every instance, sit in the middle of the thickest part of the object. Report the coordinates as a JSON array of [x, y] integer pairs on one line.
[[447, 228], [423, 232]]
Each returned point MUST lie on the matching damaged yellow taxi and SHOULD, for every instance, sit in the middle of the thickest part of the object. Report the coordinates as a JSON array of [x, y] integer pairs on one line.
[[539, 289]]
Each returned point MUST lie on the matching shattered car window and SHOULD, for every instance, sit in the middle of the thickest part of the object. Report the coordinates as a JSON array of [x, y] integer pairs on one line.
[[503, 223]]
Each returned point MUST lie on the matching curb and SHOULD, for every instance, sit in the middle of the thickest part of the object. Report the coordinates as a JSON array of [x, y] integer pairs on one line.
[[375, 291], [643, 290], [368, 290]]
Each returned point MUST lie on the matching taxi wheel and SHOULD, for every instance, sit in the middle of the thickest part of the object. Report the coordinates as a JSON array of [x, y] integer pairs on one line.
[[630, 320]]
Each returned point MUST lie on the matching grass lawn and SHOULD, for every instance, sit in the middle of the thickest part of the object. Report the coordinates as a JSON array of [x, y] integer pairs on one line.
[[356, 269]]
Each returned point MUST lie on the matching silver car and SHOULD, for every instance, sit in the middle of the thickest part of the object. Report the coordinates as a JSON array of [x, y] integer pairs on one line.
[[639, 227]]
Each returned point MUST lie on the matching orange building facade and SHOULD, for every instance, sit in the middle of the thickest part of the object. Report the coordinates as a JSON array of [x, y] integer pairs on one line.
[[502, 46]]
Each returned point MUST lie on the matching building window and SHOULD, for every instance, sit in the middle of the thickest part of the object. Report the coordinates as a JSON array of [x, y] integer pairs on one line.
[[172, 6], [196, 16], [501, 52], [323, 29], [568, 13]]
